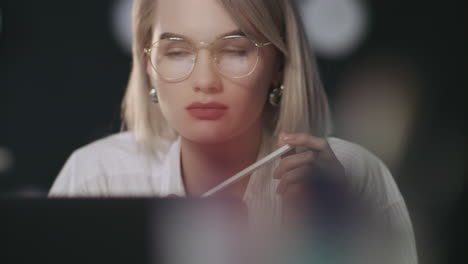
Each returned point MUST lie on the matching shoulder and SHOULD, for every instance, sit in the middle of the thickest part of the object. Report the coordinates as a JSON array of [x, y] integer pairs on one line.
[[109, 165], [116, 144], [109, 153], [117, 154], [367, 173], [373, 181], [352, 154]]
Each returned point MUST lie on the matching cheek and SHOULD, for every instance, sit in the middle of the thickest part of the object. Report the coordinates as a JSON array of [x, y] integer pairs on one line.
[[172, 100], [249, 99], [168, 94], [257, 86], [255, 97]]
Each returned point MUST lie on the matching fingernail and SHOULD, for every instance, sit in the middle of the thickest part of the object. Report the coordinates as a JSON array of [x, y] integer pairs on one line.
[[288, 136]]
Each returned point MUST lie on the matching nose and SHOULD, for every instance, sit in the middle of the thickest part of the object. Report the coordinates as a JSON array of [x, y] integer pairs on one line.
[[204, 75]]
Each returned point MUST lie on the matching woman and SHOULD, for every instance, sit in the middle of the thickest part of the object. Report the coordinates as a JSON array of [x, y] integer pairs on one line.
[[215, 86]]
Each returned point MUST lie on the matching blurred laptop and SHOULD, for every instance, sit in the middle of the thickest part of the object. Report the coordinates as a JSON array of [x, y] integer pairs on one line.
[[137, 230]]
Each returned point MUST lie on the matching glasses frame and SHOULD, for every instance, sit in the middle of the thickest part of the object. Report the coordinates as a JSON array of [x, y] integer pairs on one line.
[[205, 45]]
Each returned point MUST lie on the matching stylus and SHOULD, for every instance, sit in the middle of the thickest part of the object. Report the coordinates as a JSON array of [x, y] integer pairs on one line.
[[248, 170]]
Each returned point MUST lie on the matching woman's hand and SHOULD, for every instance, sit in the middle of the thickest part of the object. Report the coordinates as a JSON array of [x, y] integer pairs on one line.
[[311, 156]]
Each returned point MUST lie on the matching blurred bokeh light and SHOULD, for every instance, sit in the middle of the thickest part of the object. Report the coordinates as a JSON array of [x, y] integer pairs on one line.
[[376, 105], [335, 27], [121, 24]]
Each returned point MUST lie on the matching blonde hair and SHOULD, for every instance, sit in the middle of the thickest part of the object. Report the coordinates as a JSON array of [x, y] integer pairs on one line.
[[304, 105]]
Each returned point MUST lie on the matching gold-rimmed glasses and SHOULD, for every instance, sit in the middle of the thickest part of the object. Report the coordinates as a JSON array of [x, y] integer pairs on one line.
[[234, 56]]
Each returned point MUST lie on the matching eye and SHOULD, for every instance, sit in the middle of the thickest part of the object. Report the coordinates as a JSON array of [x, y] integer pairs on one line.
[[236, 52], [177, 53]]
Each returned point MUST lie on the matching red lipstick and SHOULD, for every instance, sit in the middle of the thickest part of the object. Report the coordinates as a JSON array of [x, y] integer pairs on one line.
[[207, 111]]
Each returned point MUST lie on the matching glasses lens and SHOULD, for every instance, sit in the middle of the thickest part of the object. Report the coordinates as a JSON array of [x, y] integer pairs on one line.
[[236, 56], [173, 59]]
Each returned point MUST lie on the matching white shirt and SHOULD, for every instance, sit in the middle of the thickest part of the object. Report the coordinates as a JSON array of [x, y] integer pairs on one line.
[[116, 166]]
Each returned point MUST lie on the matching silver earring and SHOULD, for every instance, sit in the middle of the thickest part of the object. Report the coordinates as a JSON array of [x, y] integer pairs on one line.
[[275, 95], [154, 95]]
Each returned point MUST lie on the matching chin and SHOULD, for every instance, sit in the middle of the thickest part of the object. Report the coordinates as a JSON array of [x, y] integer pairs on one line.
[[208, 133]]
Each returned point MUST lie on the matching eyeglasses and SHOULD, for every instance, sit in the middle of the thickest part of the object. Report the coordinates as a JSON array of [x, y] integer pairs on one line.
[[234, 56]]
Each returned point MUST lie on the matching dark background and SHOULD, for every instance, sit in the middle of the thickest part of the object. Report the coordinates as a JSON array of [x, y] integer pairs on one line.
[[63, 76]]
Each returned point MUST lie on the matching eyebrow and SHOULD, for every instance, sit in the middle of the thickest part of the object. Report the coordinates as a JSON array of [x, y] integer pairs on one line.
[[166, 35]]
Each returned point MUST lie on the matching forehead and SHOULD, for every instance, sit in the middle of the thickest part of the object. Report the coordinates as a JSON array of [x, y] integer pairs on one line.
[[200, 20]]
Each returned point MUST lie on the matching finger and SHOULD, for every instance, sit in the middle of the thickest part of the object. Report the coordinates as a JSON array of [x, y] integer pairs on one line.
[[289, 153], [294, 161], [282, 143], [281, 135], [300, 139], [297, 175]]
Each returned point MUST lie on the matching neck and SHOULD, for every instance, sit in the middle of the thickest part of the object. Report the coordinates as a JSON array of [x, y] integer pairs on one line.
[[206, 165]]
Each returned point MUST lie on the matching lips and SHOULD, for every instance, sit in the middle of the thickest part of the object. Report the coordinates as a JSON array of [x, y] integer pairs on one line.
[[207, 111]]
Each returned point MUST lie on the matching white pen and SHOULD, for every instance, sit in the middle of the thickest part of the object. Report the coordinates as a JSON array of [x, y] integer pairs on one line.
[[249, 169]]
